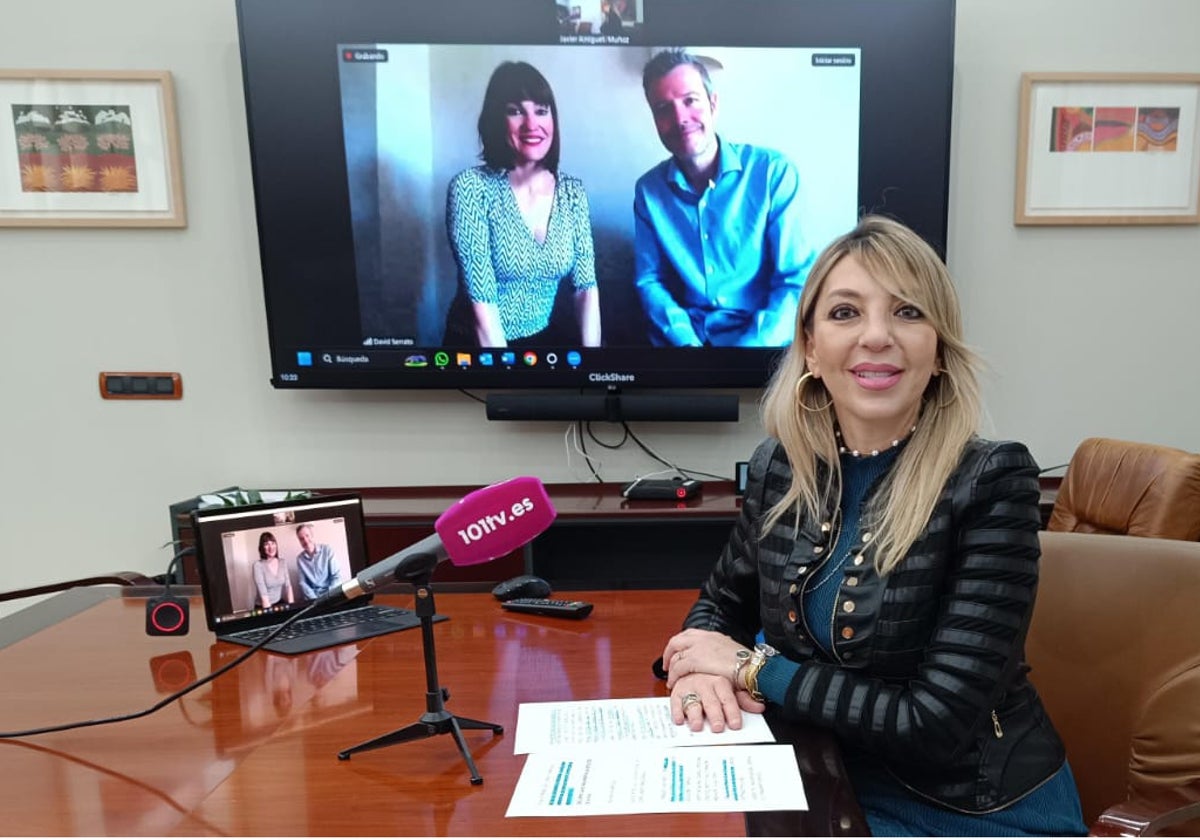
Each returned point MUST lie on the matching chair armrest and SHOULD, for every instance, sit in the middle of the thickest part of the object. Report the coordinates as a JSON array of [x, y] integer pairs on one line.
[[1146, 813], [119, 578]]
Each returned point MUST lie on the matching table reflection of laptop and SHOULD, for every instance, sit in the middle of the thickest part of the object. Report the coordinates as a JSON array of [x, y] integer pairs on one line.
[[270, 695], [259, 564]]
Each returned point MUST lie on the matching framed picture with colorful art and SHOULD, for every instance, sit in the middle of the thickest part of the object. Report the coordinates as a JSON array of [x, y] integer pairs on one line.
[[1108, 149], [89, 148]]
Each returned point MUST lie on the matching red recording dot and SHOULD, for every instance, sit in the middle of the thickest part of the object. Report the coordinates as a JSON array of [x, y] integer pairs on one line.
[[680, 492]]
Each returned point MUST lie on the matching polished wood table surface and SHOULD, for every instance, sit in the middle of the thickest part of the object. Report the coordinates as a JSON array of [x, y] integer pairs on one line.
[[254, 752]]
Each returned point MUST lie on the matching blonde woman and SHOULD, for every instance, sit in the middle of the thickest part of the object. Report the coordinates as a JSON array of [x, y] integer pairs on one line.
[[889, 558]]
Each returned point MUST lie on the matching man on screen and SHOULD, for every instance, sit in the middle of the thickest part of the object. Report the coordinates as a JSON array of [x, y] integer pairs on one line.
[[719, 254], [318, 570]]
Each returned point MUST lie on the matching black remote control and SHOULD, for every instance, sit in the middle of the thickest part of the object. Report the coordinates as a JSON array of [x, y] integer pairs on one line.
[[549, 606]]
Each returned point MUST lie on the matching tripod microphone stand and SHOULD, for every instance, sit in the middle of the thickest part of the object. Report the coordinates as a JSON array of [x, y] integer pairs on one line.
[[436, 720]]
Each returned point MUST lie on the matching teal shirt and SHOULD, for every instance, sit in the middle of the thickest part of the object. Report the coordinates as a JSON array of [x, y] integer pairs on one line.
[[723, 266]]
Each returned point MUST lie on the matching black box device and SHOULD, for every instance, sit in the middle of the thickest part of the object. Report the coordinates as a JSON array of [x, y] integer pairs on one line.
[[662, 488]]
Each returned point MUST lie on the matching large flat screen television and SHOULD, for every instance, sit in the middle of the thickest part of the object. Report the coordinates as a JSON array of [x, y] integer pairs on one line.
[[361, 114]]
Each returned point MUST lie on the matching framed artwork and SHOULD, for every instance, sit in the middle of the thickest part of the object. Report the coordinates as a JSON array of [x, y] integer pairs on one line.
[[89, 148], [1108, 149]]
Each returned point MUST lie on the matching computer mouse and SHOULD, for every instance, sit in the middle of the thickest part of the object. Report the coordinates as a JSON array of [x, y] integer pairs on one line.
[[522, 586]]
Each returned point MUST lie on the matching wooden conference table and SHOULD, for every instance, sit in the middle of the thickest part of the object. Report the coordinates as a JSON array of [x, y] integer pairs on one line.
[[255, 751]]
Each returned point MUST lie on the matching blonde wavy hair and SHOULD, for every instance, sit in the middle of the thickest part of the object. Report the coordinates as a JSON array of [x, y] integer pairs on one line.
[[906, 267]]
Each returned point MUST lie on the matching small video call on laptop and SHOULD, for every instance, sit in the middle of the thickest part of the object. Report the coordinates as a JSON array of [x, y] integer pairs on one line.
[[261, 563]]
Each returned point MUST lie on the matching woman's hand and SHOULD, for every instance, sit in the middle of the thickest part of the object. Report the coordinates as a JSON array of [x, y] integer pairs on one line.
[[700, 652], [697, 697]]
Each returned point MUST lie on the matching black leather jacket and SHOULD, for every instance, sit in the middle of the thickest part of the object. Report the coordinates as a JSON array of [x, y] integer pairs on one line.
[[928, 667]]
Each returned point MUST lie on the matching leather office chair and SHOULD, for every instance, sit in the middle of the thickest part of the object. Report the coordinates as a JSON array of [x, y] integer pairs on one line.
[[1115, 650], [1119, 487]]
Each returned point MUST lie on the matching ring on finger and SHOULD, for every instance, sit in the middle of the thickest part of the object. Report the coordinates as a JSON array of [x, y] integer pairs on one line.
[[688, 700]]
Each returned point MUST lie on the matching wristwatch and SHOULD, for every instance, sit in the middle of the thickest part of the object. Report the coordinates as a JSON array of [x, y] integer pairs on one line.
[[762, 652], [740, 659]]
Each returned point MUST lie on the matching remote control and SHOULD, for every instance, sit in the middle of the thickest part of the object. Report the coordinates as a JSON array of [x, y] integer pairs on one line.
[[549, 606]]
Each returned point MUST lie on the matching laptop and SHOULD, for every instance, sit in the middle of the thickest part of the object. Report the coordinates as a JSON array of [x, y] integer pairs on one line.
[[260, 564]]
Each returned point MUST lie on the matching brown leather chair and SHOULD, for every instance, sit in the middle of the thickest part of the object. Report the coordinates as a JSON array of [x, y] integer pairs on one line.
[[1119, 487], [1115, 650]]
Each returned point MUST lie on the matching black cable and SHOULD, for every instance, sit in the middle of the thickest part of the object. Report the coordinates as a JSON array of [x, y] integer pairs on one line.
[[1052, 469], [468, 394], [599, 442], [690, 472], [166, 701], [647, 449], [583, 450], [170, 576], [687, 472], [629, 435]]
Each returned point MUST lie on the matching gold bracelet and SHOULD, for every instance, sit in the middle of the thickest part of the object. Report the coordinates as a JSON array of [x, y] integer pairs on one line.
[[757, 660], [755, 664]]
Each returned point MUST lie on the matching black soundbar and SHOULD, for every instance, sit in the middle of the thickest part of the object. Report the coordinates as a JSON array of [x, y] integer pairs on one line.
[[614, 407]]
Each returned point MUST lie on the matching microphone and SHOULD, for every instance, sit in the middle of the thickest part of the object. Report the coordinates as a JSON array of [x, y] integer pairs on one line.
[[483, 525]]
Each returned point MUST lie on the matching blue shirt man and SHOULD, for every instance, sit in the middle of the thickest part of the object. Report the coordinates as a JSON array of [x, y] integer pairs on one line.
[[719, 256], [315, 563]]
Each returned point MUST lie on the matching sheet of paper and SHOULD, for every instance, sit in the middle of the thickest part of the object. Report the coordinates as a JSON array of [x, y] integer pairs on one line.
[[564, 783], [619, 723]]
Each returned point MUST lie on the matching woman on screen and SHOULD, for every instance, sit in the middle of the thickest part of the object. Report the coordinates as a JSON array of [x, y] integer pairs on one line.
[[271, 574], [520, 228], [889, 557]]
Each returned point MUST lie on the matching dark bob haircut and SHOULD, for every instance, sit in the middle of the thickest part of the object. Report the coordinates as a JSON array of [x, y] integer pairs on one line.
[[513, 81], [264, 538]]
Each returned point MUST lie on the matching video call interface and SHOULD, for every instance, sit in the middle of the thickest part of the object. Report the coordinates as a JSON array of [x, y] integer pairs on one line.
[[410, 115], [377, 233], [260, 563]]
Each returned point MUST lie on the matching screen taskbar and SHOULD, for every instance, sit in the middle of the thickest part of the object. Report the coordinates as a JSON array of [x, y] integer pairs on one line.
[[415, 367]]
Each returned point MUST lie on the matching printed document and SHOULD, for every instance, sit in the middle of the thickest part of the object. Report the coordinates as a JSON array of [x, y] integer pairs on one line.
[[651, 780], [638, 721]]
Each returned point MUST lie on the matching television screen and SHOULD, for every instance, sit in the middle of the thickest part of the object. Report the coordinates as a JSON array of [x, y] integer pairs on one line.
[[616, 193]]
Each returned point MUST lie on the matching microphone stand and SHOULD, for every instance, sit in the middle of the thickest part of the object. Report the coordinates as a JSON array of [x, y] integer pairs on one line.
[[436, 720]]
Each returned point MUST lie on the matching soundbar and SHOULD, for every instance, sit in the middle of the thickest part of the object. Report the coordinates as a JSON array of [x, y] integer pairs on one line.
[[614, 407]]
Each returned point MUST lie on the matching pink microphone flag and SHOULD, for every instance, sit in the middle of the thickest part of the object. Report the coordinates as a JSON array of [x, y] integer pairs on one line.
[[495, 520]]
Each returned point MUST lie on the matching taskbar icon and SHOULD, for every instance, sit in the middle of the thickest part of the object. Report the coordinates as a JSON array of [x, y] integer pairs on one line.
[[493, 358]]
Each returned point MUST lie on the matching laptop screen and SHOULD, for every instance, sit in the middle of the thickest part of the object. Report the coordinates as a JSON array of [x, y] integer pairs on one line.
[[259, 563]]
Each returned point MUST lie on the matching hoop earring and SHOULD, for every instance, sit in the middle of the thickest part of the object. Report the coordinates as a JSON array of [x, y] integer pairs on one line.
[[800, 397], [951, 387]]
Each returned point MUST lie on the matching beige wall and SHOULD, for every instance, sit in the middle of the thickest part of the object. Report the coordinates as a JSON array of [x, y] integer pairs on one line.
[[87, 482]]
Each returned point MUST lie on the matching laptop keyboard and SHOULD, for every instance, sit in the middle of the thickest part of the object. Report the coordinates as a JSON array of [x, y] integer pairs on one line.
[[317, 624]]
